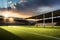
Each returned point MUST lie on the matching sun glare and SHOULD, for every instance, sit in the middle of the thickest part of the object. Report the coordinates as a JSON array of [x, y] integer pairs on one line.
[[12, 13], [8, 17], [6, 14], [11, 20]]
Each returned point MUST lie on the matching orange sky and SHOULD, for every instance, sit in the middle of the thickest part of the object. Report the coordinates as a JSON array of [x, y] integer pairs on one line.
[[16, 14]]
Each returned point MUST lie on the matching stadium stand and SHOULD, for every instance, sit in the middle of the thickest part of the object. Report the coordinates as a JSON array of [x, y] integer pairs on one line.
[[17, 21], [48, 18]]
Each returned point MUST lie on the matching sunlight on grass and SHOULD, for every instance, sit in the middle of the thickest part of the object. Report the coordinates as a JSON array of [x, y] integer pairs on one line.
[[23, 31]]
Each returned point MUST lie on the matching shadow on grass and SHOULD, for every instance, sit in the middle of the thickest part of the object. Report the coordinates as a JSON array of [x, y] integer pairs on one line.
[[5, 35]]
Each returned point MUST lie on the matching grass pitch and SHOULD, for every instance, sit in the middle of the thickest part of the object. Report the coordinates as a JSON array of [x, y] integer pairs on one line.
[[29, 33]]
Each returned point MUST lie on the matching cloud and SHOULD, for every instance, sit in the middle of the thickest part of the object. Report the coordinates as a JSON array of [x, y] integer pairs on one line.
[[22, 1], [45, 9], [33, 4], [37, 7]]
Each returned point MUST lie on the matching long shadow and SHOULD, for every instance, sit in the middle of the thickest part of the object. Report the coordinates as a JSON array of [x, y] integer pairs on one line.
[[5, 35]]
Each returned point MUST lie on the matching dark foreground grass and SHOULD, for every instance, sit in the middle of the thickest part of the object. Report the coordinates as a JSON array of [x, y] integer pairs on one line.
[[29, 33], [5, 35]]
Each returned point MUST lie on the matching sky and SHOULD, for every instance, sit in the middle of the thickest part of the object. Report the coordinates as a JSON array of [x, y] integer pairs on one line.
[[3, 3], [32, 7]]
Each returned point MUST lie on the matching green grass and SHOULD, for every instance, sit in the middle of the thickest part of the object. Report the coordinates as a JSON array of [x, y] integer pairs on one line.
[[33, 33]]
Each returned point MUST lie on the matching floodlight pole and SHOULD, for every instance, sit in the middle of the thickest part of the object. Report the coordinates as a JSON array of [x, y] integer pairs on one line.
[[44, 20], [52, 20], [36, 22]]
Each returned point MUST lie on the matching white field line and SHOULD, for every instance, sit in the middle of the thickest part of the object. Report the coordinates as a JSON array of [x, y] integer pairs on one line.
[[43, 35]]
